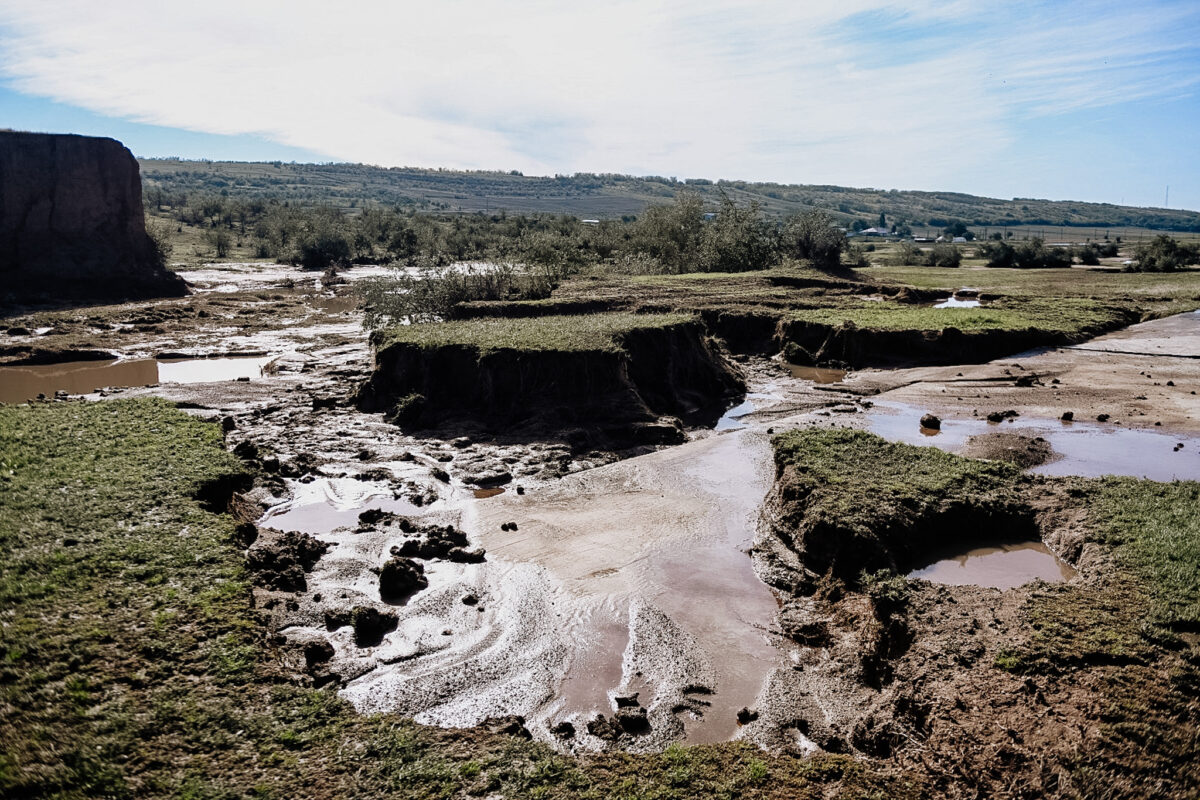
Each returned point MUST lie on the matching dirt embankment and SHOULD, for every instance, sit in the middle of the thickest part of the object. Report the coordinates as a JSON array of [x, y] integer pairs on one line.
[[71, 223], [1038, 691], [638, 391]]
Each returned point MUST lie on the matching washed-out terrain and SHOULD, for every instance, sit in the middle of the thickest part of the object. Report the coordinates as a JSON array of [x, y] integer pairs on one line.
[[610, 599]]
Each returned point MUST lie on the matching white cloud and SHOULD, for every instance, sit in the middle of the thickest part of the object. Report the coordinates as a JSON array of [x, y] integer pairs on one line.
[[860, 91]]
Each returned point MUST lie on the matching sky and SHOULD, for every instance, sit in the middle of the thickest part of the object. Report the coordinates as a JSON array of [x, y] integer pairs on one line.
[[1095, 100]]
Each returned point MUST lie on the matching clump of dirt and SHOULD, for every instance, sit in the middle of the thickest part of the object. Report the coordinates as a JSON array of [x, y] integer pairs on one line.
[[281, 560], [1024, 451]]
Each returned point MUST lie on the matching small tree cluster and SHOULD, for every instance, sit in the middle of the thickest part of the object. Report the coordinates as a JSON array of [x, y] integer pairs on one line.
[[1164, 254]]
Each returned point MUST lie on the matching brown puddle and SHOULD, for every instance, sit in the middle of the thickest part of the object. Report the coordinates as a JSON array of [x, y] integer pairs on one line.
[[483, 494], [18, 384], [816, 374], [1003, 567]]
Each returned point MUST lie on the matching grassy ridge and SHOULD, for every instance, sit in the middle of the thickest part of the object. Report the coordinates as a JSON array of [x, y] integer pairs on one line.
[[132, 665], [1071, 316], [578, 333]]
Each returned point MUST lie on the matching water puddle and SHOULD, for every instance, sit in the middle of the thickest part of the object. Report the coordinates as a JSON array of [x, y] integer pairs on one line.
[[325, 505], [729, 421], [816, 374], [1086, 449], [19, 384], [483, 494], [1003, 567], [955, 302]]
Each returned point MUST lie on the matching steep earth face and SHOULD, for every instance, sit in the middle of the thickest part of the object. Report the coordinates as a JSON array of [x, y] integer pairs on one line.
[[71, 222], [631, 395]]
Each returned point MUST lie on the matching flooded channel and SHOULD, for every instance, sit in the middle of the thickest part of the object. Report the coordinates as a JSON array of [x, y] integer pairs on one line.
[[1086, 449], [19, 384]]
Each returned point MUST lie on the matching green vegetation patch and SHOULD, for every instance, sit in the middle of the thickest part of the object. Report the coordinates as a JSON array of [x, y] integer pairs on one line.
[[860, 480], [132, 665], [578, 333], [1069, 316], [1141, 287]]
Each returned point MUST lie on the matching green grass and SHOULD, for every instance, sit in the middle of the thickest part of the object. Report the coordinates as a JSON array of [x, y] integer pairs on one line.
[[1067, 315], [859, 479], [132, 664], [578, 333], [1046, 283]]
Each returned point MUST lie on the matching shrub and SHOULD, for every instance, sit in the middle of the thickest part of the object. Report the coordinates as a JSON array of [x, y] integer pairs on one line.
[[813, 235], [1163, 254]]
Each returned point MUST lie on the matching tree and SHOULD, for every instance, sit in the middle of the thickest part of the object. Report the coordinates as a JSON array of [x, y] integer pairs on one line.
[[737, 240], [882, 220], [813, 235], [1163, 254]]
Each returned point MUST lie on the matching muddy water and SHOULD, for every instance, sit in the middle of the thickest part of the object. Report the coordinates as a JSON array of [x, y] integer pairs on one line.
[[1003, 567], [326, 504], [955, 302], [18, 384], [650, 548], [1086, 449], [816, 374]]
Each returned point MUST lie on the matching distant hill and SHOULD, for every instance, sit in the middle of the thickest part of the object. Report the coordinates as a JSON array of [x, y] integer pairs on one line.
[[607, 196]]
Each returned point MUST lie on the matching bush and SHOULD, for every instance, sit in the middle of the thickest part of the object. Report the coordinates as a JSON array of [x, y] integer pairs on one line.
[[813, 235], [737, 240], [428, 293], [1163, 254], [944, 255], [1027, 255]]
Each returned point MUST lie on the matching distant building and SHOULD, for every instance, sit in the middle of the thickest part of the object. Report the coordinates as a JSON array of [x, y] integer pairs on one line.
[[590, 221]]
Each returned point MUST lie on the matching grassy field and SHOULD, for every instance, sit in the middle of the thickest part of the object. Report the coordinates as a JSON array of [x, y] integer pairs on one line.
[[132, 664], [584, 332]]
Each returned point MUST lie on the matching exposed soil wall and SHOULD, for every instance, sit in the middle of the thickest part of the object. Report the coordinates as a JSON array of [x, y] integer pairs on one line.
[[71, 223], [851, 346], [671, 370]]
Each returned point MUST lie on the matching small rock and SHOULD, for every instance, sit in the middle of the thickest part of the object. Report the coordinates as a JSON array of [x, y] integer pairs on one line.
[[317, 653], [371, 625], [470, 599], [440, 474], [632, 720], [627, 701], [228, 424], [603, 729], [1170, 383], [1102, 417], [401, 578], [520, 490], [511, 725], [931, 422], [1067, 416], [746, 716], [564, 730]]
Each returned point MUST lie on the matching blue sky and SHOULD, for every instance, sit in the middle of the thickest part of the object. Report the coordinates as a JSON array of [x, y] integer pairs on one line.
[[1066, 100]]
